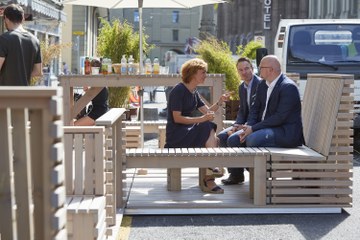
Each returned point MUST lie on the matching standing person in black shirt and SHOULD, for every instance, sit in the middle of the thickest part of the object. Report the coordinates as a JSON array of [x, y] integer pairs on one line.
[[20, 57]]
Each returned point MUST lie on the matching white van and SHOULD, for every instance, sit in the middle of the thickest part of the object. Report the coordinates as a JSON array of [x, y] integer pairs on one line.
[[319, 46]]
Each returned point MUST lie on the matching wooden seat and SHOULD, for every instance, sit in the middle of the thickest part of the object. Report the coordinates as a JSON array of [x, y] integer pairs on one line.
[[86, 217], [132, 136], [322, 174], [203, 158], [85, 182]]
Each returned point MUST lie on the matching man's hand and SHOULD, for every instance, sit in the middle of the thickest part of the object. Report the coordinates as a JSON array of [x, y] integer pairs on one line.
[[247, 131]]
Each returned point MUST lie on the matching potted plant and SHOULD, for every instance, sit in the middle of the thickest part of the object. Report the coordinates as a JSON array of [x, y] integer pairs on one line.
[[114, 40], [49, 52], [218, 56], [95, 66]]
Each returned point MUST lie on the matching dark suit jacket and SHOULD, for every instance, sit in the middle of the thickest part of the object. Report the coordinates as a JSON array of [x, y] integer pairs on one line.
[[283, 113], [243, 112]]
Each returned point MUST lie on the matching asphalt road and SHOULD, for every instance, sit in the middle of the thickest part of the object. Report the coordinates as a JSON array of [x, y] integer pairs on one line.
[[345, 226]]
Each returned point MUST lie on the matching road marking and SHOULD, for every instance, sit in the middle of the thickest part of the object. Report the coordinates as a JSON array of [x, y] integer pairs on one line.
[[125, 228]]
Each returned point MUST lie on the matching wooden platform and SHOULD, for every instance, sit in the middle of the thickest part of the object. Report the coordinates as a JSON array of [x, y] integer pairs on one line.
[[149, 196]]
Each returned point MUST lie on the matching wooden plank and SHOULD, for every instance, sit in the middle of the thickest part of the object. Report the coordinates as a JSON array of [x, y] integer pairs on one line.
[[22, 176], [37, 158], [306, 182], [311, 166], [69, 167], [298, 153], [110, 117], [333, 175], [7, 198], [89, 164], [79, 165], [301, 201], [260, 180]]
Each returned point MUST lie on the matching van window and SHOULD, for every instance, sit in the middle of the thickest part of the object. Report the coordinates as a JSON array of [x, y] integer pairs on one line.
[[326, 43]]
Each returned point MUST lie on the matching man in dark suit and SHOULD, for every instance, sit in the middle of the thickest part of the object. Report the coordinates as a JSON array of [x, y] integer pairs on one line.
[[275, 116], [229, 137]]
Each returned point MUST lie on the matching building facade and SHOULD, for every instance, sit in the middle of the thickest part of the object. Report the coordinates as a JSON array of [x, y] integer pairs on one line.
[[43, 19], [241, 21], [172, 31]]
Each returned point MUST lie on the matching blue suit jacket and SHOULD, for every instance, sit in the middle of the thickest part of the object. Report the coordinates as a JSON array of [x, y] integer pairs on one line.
[[243, 112], [283, 113]]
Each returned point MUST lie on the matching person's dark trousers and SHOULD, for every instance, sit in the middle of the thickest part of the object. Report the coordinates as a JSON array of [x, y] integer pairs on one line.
[[236, 174]]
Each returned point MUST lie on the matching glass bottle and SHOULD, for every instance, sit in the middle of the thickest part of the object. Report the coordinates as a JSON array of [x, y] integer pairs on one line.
[[131, 65], [123, 70], [156, 66], [87, 66], [148, 68]]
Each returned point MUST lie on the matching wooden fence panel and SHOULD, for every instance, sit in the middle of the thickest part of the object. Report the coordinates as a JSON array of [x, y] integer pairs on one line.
[[32, 192]]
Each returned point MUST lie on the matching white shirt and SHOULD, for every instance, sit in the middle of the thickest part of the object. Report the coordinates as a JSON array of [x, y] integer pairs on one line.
[[268, 93]]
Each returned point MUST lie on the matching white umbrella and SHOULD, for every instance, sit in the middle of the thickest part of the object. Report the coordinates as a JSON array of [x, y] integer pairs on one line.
[[140, 4]]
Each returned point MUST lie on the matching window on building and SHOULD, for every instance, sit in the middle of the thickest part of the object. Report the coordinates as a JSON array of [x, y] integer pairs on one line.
[[175, 16], [136, 16], [175, 34]]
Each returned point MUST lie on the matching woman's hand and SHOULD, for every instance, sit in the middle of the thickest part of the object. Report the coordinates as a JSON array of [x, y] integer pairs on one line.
[[209, 116]]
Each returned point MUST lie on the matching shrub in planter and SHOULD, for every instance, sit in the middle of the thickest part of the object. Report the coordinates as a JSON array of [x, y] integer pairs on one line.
[[218, 56], [114, 40], [249, 50]]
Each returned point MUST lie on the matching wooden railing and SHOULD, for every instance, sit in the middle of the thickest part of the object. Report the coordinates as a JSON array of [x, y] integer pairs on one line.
[[32, 191]]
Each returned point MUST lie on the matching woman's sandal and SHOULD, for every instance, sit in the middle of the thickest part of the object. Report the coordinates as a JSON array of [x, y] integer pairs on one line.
[[215, 190], [216, 172]]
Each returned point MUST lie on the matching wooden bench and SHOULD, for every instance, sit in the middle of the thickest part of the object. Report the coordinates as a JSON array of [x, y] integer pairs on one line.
[[315, 176], [32, 187], [92, 156], [321, 178], [85, 182], [254, 158]]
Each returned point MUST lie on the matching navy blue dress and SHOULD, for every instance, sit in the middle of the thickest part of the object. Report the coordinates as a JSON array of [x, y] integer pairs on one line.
[[185, 135]]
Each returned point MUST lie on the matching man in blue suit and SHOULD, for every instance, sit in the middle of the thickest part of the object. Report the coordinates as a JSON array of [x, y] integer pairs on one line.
[[229, 137], [275, 116]]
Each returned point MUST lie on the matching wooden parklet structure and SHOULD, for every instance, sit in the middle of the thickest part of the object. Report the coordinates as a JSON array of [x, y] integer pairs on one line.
[[87, 180], [313, 178]]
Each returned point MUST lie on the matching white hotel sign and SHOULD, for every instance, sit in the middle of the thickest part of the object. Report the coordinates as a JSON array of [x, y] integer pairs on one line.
[[267, 14]]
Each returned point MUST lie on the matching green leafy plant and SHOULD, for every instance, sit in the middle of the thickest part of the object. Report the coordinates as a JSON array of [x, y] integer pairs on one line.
[[218, 56], [114, 40], [249, 50]]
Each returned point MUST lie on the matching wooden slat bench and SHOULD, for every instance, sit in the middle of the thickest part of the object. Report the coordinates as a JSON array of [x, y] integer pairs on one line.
[[321, 178], [93, 156], [202, 158], [85, 182]]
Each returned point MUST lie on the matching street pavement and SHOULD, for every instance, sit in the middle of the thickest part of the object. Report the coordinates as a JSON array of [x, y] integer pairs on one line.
[[345, 225]]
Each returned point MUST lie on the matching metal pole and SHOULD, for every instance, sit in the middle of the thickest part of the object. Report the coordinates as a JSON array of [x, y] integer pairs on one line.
[[141, 72]]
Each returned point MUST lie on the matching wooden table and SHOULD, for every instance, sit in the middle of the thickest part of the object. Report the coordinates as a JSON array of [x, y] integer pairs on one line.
[[216, 82]]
